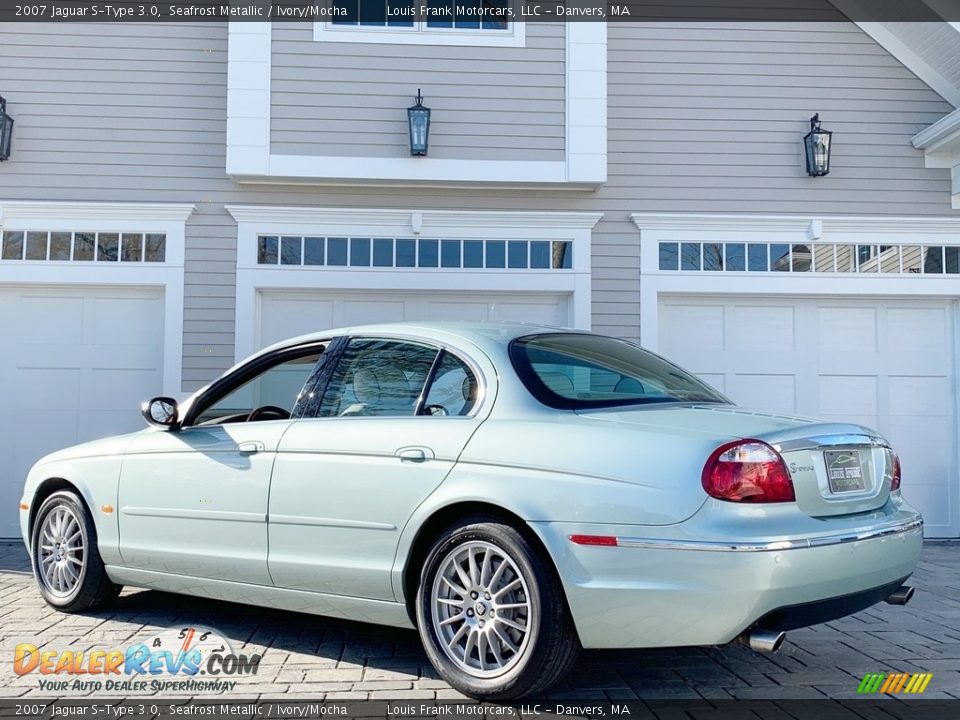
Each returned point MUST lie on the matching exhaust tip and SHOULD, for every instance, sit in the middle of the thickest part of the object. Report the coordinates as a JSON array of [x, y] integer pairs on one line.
[[901, 596], [766, 641]]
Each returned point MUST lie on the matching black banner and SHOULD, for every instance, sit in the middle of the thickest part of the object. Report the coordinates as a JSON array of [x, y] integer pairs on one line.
[[153, 707], [510, 10]]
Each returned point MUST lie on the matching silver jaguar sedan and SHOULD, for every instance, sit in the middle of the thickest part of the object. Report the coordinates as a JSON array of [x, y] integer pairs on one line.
[[514, 492]]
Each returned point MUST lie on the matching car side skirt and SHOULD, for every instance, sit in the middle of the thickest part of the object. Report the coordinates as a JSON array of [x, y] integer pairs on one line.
[[378, 612]]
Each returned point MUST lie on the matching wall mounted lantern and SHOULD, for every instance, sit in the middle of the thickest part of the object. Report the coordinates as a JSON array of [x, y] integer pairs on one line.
[[6, 131], [419, 118], [817, 146]]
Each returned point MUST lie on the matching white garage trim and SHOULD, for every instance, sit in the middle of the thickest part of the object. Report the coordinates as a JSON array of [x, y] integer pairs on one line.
[[253, 221], [169, 219], [656, 228]]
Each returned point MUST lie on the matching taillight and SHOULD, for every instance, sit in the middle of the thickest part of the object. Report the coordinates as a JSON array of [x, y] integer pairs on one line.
[[748, 471], [895, 480]]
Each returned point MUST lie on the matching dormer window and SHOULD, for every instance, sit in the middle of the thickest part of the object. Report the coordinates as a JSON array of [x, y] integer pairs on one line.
[[422, 22]]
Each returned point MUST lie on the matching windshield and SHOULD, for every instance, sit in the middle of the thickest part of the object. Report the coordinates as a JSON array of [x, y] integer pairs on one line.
[[578, 371]]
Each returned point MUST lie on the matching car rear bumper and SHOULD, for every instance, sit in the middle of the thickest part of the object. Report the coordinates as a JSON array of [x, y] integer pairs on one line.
[[688, 586]]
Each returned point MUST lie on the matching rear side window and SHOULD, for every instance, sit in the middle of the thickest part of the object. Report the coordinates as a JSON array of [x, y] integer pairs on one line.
[[577, 370], [378, 378]]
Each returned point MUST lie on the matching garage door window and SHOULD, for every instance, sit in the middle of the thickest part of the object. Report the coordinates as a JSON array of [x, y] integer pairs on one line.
[[805, 258], [79, 246], [307, 251]]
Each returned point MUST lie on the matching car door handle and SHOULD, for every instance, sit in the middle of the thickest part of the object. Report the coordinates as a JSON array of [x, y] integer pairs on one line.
[[251, 447], [414, 454]]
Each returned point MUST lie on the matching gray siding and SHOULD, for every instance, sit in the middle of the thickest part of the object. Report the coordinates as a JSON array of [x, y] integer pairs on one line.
[[710, 118], [702, 119], [350, 99]]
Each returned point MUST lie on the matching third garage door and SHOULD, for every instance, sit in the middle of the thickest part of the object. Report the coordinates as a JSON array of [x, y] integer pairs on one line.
[[887, 364]]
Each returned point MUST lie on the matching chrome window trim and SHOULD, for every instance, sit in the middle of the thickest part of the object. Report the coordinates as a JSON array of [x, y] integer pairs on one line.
[[775, 546]]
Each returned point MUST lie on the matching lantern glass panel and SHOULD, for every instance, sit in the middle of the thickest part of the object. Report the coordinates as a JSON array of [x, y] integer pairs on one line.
[[419, 129]]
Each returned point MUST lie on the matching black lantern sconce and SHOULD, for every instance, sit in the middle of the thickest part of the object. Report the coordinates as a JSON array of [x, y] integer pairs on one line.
[[419, 118], [817, 143], [6, 131]]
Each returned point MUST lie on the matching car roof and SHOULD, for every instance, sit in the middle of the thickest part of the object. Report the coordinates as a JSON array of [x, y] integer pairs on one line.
[[479, 333]]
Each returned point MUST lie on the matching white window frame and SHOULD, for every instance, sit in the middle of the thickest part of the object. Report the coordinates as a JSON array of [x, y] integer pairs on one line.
[[253, 279], [168, 275], [514, 36], [251, 160]]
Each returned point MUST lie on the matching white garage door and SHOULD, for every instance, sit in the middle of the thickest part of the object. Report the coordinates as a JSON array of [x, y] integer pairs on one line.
[[286, 314], [76, 363], [886, 364]]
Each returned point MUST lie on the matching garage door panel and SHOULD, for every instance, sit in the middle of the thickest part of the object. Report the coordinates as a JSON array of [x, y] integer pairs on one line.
[[919, 331], [771, 392], [112, 389], [763, 328], [470, 312], [680, 323], [548, 313], [930, 499], [848, 395], [45, 389], [920, 396], [123, 320], [359, 312], [283, 317], [846, 330], [37, 319]]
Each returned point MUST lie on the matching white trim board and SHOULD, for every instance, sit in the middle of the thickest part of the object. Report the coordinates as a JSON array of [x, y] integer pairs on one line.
[[258, 220], [169, 219], [250, 160]]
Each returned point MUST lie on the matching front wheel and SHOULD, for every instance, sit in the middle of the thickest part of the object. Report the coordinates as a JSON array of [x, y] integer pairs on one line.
[[66, 562], [492, 614]]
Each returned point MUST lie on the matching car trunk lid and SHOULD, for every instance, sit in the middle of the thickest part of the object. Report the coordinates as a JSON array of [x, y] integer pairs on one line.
[[836, 468]]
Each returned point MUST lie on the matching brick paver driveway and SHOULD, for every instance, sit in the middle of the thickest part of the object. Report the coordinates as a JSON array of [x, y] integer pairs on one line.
[[316, 657]]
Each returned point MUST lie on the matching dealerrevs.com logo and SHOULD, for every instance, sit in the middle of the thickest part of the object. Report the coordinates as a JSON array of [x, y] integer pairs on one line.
[[170, 660]]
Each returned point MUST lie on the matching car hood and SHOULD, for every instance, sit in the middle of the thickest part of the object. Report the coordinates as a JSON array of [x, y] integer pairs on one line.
[[113, 445]]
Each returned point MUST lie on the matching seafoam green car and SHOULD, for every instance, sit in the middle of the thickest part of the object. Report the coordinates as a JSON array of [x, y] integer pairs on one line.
[[515, 492]]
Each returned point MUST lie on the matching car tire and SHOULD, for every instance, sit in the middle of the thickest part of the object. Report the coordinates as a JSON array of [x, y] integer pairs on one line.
[[65, 558], [524, 638]]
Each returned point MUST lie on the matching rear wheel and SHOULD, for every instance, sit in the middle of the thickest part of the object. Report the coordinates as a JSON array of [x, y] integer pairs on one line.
[[66, 562], [492, 614]]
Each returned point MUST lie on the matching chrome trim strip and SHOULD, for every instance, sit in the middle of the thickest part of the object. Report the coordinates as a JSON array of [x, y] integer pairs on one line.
[[187, 514], [776, 546], [328, 522], [819, 442]]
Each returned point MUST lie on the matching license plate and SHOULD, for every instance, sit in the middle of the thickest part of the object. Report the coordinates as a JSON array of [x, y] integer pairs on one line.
[[844, 470]]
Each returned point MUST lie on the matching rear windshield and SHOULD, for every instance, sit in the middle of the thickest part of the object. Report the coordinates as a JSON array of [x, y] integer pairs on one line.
[[573, 371]]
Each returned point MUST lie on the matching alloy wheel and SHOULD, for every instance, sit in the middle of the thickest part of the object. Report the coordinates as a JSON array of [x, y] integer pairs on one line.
[[482, 612], [60, 551]]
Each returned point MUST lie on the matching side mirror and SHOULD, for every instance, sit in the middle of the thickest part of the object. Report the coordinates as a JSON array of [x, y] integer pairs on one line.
[[160, 412]]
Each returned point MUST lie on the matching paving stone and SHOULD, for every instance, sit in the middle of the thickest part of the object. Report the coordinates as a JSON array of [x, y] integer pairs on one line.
[[307, 657]]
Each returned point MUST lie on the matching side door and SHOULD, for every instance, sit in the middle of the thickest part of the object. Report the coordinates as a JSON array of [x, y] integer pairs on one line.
[[193, 501], [393, 418]]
